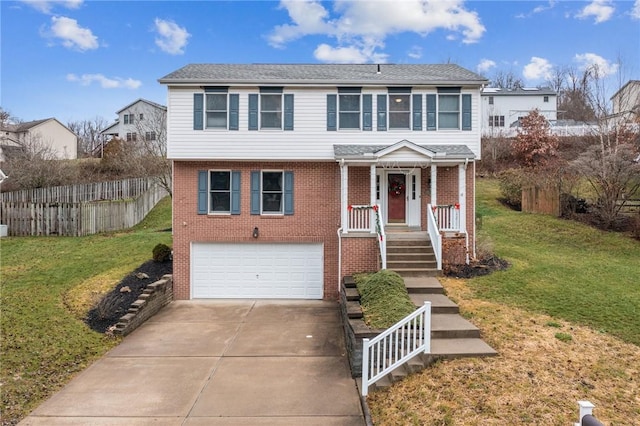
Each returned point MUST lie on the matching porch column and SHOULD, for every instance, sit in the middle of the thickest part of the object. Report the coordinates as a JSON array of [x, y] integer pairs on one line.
[[344, 197], [462, 198], [372, 197], [434, 184]]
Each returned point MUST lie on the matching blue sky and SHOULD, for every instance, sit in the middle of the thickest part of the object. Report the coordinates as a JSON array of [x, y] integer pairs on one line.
[[77, 60]]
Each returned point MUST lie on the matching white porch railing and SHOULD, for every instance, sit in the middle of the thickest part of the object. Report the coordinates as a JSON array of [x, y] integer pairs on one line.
[[434, 235], [395, 346], [359, 219], [448, 217], [382, 238], [369, 219]]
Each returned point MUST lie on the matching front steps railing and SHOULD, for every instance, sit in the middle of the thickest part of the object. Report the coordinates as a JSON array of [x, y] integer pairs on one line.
[[396, 346]]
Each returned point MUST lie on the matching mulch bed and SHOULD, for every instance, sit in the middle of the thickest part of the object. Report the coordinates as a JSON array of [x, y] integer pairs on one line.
[[116, 303], [475, 269]]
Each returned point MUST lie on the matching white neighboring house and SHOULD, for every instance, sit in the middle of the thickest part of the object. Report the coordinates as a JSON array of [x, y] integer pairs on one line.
[[625, 102], [48, 135], [140, 116], [502, 108]]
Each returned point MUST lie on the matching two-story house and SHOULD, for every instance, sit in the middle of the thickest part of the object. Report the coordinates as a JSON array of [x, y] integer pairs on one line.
[[502, 109], [625, 103], [139, 119], [49, 137], [289, 177]]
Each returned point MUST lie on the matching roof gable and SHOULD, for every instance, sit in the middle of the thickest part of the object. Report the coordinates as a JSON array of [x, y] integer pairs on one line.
[[139, 100]]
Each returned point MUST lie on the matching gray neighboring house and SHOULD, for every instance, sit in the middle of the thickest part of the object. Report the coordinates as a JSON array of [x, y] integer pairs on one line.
[[140, 120]]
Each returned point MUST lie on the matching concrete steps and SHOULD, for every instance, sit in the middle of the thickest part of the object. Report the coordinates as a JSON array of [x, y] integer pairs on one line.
[[451, 335], [410, 254]]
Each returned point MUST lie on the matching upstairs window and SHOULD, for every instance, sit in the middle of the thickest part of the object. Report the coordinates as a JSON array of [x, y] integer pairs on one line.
[[131, 137], [399, 111], [129, 118], [448, 111], [545, 99], [270, 111], [150, 136], [490, 100], [349, 111], [216, 111], [496, 121]]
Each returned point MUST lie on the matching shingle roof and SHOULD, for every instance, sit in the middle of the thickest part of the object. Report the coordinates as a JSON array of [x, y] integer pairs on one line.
[[451, 151], [322, 74]]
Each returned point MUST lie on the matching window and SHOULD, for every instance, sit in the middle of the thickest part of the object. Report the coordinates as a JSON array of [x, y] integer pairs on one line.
[[219, 191], [546, 99], [490, 100], [129, 118], [270, 111], [216, 111], [349, 111], [448, 111], [496, 121], [150, 136], [141, 117], [272, 192], [131, 137], [399, 111]]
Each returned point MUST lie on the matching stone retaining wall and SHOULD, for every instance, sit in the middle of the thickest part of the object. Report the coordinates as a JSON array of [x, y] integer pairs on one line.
[[154, 297]]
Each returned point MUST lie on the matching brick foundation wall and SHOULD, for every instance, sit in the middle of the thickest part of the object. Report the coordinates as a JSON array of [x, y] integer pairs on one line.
[[360, 254], [316, 216]]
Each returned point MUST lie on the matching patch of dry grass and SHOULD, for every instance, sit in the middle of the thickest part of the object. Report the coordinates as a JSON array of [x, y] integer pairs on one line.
[[536, 379]]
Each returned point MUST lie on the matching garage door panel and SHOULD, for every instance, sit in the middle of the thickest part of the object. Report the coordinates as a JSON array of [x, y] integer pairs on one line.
[[232, 270]]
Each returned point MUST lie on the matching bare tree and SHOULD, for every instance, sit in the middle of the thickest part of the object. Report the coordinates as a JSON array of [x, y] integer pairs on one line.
[[88, 132], [506, 80], [152, 147]]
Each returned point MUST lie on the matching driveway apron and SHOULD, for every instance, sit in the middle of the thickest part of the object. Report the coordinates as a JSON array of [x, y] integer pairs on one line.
[[222, 362]]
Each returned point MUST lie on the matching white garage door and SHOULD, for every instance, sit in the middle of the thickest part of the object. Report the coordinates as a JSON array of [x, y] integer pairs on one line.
[[230, 270]]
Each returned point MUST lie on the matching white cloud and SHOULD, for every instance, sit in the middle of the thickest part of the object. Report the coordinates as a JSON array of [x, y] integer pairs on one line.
[[601, 10], [339, 55], [596, 62], [47, 6], [73, 36], [635, 11], [415, 52], [538, 9], [538, 69], [485, 65], [172, 38], [364, 25], [105, 82]]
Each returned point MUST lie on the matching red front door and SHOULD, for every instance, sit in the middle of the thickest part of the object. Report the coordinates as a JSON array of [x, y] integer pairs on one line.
[[396, 201]]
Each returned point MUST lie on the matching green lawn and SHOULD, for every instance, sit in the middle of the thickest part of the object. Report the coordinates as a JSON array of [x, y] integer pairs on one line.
[[561, 268], [43, 343]]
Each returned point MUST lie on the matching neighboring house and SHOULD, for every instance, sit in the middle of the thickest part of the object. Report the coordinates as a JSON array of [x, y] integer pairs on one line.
[[140, 120], [49, 137], [503, 108], [277, 167], [625, 102]]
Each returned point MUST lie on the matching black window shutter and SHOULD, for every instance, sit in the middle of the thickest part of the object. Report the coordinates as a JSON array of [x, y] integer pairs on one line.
[[253, 111], [417, 112], [367, 114], [431, 112], [466, 112], [234, 111], [288, 111], [332, 106], [198, 105], [382, 112]]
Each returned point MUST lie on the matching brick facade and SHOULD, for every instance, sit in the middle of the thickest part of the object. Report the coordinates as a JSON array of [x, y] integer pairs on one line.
[[316, 217]]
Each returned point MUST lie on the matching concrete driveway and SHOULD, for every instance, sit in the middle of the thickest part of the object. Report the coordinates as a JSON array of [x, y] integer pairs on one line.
[[218, 363]]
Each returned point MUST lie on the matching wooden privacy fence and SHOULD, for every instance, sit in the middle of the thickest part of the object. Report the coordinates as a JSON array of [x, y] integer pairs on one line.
[[78, 218], [541, 200], [110, 190]]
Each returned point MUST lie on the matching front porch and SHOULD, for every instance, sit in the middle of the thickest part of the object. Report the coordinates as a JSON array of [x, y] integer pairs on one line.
[[406, 192]]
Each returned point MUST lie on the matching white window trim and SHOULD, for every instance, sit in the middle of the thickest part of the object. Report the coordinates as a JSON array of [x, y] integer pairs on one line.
[[209, 191], [262, 212], [205, 110], [271, 129], [338, 111], [399, 129]]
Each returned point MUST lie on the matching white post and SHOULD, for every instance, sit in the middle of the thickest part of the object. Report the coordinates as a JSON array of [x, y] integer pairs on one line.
[[344, 196], [462, 198], [365, 367], [586, 409], [434, 184], [372, 198]]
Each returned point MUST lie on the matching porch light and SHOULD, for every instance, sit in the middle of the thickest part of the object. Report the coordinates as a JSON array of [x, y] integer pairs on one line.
[[256, 232]]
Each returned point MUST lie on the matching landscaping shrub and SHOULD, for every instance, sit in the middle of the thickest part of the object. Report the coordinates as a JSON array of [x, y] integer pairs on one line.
[[511, 182], [161, 253], [384, 298]]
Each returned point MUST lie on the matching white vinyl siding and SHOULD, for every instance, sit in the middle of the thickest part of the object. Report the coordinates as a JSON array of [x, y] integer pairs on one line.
[[309, 141]]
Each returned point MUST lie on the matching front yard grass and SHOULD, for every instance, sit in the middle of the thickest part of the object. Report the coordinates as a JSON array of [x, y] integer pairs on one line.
[[44, 340], [564, 318]]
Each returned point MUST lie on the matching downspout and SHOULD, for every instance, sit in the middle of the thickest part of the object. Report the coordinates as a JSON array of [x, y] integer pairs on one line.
[[466, 232], [339, 260]]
